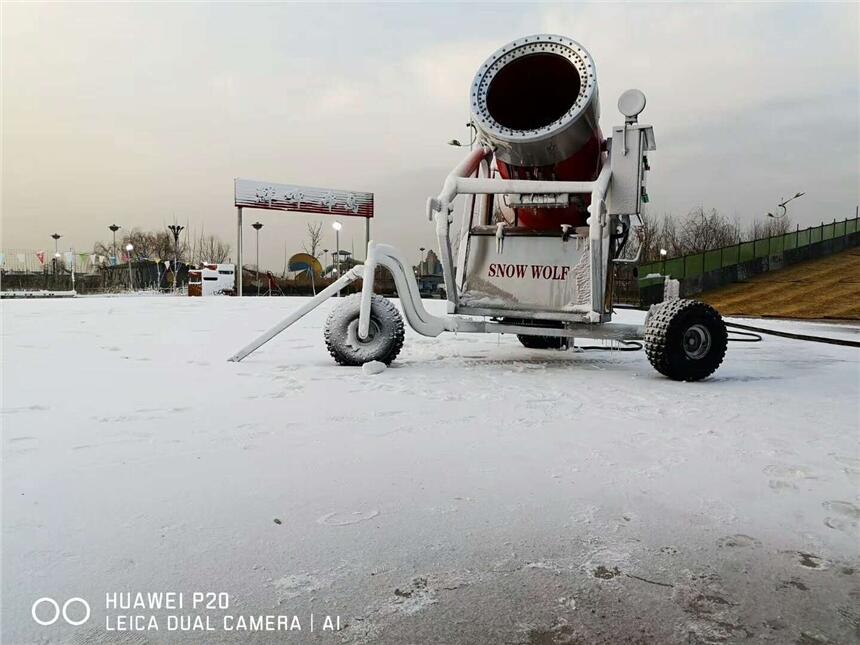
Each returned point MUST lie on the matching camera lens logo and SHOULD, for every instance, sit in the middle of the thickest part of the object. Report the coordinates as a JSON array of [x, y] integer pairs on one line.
[[57, 611]]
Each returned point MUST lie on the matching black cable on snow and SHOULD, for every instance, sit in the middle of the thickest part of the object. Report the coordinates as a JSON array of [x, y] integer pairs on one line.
[[744, 337], [785, 334]]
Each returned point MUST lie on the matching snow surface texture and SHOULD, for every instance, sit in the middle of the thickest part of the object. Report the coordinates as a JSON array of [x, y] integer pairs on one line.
[[474, 492]]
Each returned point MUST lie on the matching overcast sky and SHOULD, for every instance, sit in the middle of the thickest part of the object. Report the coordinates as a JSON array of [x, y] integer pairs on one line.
[[140, 114]]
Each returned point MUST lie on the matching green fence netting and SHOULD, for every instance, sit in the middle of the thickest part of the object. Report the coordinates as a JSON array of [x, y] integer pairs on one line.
[[695, 264]]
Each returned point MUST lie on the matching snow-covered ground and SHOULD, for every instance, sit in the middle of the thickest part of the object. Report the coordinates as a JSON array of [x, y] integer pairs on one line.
[[474, 492]]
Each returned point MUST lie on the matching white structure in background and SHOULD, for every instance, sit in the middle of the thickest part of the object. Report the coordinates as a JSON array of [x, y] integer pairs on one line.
[[299, 199], [212, 280]]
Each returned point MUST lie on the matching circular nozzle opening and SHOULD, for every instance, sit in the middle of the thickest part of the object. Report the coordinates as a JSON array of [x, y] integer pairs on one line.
[[533, 91]]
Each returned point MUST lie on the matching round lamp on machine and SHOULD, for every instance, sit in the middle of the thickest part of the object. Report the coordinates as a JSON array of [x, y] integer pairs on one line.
[[631, 103]]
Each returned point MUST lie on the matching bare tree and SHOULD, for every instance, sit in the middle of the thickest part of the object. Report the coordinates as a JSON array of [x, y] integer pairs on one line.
[[702, 231], [312, 247], [211, 248], [647, 237], [670, 238], [147, 244], [103, 248], [769, 227], [159, 245], [698, 231]]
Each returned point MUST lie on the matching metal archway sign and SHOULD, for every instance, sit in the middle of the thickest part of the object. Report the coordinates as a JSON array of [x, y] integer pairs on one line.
[[249, 193]]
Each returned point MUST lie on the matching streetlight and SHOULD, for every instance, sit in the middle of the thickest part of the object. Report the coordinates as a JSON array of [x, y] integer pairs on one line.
[[176, 229], [421, 258], [257, 226], [129, 248], [337, 226], [782, 206], [56, 237], [114, 228], [325, 255]]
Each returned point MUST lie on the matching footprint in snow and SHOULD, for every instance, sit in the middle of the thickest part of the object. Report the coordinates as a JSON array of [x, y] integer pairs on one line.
[[784, 471], [292, 586], [851, 462], [26, 408], [847, 513], [843, 508], [737, 540], [345, 519], [785, 477], [809, 560]]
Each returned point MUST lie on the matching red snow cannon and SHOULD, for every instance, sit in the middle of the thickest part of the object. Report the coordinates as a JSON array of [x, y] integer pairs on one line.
[[535, 100]]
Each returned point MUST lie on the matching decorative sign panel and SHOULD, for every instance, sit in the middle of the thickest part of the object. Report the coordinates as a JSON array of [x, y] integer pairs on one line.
[[302, 199]]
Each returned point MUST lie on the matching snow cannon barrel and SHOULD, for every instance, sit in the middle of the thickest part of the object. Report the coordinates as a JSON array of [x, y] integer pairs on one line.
[[535, 102]]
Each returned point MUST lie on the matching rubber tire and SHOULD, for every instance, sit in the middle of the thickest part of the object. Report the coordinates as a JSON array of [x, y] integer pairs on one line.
[[664, 339], [543, 342], [386, 326]]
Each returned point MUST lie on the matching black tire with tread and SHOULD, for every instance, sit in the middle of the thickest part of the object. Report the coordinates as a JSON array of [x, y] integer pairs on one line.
[[664, 339], [386, 326]]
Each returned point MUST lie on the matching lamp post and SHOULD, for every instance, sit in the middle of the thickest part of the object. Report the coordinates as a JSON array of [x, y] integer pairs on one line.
[[420, 259], [257, 226], [114, 228], [782, 206], [337, 226], [56, 237], [325, 255], [176, 229], [129, 248]]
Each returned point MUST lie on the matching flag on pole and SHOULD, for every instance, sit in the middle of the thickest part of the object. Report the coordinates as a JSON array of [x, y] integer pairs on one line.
[[40, 256]]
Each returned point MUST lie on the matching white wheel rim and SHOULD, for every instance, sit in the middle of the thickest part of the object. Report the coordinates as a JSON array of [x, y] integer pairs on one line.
[[697, 341]]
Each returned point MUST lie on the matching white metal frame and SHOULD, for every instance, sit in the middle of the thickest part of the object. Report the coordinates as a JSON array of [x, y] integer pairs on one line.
[[590, 321]]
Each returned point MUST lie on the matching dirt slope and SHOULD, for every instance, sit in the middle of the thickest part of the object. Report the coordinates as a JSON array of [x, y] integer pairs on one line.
[[821, 288]]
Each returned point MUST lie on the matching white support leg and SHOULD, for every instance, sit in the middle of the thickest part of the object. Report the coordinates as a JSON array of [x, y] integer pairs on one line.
[[351, 276], [367, 292], [598, 234]]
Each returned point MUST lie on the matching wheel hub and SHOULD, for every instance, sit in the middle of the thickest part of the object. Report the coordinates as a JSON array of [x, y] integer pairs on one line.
[[354, 340], [697, 341]]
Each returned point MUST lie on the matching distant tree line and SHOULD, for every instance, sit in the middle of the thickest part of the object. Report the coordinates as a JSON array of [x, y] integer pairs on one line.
[[160, 245], [698, 231]]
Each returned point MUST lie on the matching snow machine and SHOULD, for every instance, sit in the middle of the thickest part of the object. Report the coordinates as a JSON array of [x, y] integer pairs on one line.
[[549, 206]]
